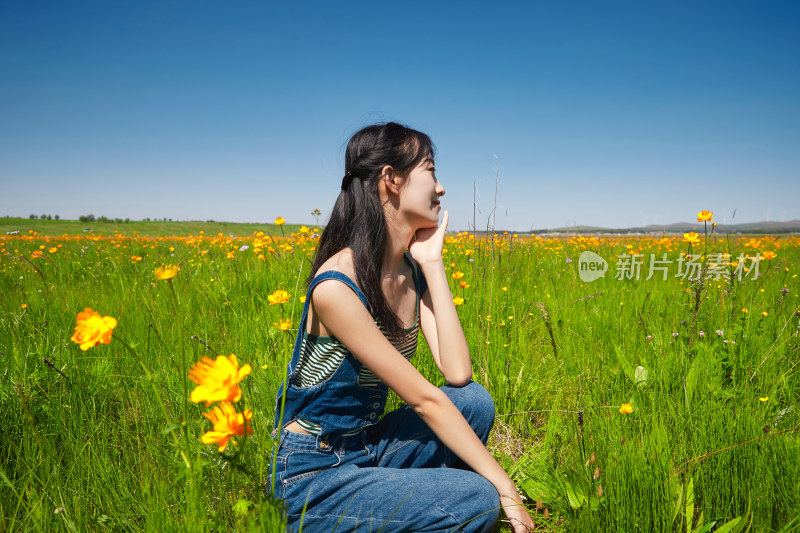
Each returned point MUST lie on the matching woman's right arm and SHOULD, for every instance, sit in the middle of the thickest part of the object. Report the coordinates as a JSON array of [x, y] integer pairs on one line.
[[346, 318]]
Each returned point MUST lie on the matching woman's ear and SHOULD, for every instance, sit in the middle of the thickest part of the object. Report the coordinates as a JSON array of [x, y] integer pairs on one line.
[[390, 180]]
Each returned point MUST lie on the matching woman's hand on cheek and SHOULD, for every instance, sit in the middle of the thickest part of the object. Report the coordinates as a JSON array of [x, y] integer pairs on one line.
[[427, 244]]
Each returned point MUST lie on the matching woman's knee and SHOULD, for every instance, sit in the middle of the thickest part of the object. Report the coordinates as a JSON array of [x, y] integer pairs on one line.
[[476, 404], [484, 506]]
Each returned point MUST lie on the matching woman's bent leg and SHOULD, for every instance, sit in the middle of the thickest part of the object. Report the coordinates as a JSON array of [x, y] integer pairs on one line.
[[420, 500], [403, 440]]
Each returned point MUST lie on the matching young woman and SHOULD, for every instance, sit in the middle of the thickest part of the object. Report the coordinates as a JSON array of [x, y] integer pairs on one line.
[[377, 279]]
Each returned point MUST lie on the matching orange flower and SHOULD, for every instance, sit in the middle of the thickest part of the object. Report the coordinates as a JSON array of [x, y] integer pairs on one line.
[[284, 324], [463, 284], [626, 408], [167, 272], [217, 380], [227, 423], [691, 238], [457, 274], [280, 221], [92, 329], [769, 255], [704, 216], [278, 297], [458, 300], [304, 229]]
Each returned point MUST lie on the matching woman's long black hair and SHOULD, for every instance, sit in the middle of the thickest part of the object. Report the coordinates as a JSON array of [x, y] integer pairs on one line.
[[357, 220]]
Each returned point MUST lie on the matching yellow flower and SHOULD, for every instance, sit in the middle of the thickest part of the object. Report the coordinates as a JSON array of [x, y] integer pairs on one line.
[[230, 255], [769, 255], [304, 229], [458, 300], [744, 310], [280, 221], [764, 314], [283, 324], [691, 237], [136, 258], [24, 306], [457, 274], [764, 399], [504, 289], [704, 216], [227, 423], [53, 250], [167, 272], [626, 409], [278, 297], [92, 329], [303, 299], [217, 379]]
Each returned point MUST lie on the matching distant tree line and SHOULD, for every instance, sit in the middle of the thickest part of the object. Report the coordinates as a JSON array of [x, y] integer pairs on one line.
[[91, 218]]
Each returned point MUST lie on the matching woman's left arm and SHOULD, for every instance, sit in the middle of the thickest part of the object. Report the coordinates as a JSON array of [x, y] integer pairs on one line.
[[438, 317]]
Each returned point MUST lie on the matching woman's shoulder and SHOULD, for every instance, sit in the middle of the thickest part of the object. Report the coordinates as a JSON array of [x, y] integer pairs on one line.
[[341, 261], [334, 295]]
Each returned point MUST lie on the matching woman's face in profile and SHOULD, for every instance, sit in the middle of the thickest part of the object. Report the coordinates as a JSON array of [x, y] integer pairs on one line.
[[419, 195]]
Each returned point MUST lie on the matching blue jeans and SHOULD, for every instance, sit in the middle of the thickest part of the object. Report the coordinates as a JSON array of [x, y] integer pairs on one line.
[[394, 476]]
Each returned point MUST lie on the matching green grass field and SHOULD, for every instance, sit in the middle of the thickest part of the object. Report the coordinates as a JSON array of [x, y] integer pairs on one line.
[[138, 227], [107, 440]]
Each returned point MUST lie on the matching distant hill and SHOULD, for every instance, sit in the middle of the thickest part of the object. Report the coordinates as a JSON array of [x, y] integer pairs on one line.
[[791, 226]]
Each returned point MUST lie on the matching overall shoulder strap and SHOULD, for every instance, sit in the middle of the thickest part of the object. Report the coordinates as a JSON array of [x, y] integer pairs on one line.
[[301, 328], [419, 277], [333, 274]]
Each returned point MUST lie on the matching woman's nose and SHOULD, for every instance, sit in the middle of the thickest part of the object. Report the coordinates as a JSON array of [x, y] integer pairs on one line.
[[439, 188]]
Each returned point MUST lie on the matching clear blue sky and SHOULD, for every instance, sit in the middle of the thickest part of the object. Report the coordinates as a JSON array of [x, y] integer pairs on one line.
[[600, 113]]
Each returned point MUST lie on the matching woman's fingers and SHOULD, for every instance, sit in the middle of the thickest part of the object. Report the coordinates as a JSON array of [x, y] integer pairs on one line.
[[428, 242], [516, 513]]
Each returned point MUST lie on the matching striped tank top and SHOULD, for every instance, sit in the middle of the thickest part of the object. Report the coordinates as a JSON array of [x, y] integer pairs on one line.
[[320, 357]]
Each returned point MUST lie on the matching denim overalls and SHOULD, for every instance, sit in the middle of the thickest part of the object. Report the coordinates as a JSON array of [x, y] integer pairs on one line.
[[339, 404], [395, 474]]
